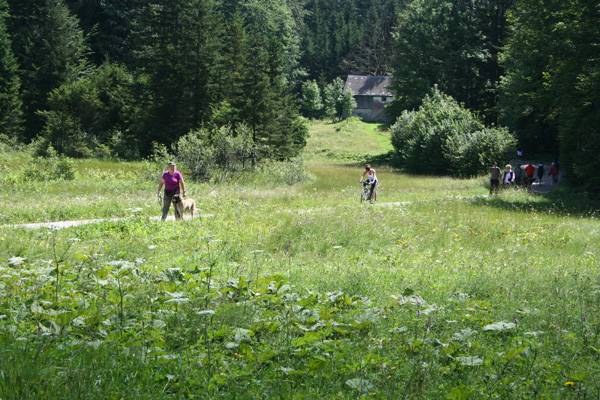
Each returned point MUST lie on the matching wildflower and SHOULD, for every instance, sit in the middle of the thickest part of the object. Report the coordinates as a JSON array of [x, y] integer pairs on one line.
[[16, 261], [500, 326], [470, 361]]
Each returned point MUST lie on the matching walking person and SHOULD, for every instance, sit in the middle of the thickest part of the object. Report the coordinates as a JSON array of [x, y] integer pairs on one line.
[[519, 175], [494, 179], [174, 185], [529, 174], [540, 173], [554, 173], [509, 176]]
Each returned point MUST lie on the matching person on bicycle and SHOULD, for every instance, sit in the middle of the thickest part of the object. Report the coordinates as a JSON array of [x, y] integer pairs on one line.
[[174, 185], [369, 177]]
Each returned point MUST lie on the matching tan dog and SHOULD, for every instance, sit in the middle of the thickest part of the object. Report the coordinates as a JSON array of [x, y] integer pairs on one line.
[[186, 204]]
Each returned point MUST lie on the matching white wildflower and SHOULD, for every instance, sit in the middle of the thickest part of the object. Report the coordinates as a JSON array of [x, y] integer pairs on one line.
[[16, 261], [500, 326], [471, 361]]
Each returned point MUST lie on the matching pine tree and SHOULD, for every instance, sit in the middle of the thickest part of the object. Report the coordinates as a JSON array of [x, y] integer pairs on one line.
[[173, 48], [451, 44], [10, 100], [348, 36], [269, 71], [50, 48], [107, 23]]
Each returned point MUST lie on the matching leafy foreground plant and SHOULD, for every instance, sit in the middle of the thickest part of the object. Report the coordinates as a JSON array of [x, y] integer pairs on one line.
[[124, 328]]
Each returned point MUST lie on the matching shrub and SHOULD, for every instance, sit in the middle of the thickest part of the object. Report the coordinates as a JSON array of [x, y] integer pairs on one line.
[[283, 172], [442, 137], [339, 102], [312, 104], [53, 168], [214, 153], [346, 105]]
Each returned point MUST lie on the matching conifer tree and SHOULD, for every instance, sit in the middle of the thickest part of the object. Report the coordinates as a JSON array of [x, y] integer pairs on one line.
[[10, 100], [451, 44], [50, 49]]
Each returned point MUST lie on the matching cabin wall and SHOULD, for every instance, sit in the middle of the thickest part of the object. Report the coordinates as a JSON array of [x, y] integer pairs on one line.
[[371, 108]]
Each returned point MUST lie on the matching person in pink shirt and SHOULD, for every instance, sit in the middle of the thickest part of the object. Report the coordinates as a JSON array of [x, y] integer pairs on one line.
[[174, 185]]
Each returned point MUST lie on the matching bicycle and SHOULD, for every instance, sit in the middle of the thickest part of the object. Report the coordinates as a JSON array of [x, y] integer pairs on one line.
[[365, 194]]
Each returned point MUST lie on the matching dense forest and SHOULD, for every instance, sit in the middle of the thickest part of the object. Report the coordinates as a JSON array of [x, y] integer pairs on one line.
[[115, 77]]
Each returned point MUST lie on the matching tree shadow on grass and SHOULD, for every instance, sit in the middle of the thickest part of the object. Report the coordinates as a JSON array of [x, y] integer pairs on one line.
[[377, 160], [563, 201]]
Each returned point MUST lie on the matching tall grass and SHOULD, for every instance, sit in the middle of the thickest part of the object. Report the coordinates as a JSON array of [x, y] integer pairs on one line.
[[300, 291]]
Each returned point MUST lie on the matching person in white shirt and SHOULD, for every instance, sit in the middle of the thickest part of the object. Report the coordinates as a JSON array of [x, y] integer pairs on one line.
[[509, 176]]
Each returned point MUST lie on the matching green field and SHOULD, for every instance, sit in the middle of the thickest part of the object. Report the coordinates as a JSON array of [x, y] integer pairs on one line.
[[436, 291]]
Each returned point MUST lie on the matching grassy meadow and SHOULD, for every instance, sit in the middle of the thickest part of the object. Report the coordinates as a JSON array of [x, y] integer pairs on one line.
[[299, 292]]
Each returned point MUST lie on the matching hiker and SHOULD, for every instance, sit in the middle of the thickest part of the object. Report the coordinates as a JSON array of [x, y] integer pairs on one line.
[[494, 179], [540, 173], [519, 175], [554, 173], [174, 185], [509, 176], [529, 174]]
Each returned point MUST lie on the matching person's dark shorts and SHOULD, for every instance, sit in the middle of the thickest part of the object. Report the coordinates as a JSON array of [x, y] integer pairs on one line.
[[173, 195], [373, 186], [495, 183]]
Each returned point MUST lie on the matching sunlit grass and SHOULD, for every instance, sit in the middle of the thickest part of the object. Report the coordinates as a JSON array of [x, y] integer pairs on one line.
[[351, 323]]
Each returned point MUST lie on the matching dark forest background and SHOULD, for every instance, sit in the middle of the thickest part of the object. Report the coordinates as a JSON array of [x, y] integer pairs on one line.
[[117, 77]]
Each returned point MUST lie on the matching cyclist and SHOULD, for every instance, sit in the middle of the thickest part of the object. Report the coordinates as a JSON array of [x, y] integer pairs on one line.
[[369, 177]]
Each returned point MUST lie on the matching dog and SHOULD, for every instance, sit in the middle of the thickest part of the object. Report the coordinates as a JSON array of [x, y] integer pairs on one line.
[[186, 204]]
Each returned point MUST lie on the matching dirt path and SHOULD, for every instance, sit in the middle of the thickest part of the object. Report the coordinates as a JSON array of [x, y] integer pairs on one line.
[[70, 224], [545, 187]]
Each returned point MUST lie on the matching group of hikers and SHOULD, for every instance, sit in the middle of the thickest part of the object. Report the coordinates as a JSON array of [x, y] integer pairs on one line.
[[525, 175]]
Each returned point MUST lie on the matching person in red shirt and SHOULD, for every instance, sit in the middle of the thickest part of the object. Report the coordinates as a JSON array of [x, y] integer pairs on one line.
[[174, 185], [529, 174], [554, 173]]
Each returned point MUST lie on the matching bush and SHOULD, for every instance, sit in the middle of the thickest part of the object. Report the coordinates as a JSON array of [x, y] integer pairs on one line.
[[52, 168], [217, 153], [312, 104], [282, 172], [442, 137], [339, 102], [90, 116]]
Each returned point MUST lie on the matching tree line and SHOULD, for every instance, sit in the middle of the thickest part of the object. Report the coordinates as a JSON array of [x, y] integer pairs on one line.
[[117, 76], [530, 65]]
